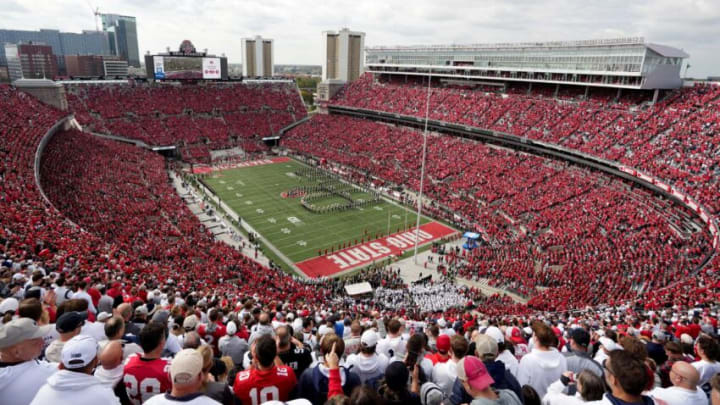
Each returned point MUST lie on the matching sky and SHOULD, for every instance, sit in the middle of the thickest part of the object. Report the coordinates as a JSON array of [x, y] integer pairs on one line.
[[296, 26]]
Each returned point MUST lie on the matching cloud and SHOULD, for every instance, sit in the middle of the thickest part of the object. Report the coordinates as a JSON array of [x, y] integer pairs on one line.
[[296, 26]]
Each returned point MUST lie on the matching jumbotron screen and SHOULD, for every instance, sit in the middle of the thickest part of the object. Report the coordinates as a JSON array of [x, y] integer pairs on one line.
[[187, 68]]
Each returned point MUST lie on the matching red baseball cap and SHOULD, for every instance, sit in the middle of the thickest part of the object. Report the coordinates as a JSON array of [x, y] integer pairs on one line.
[[443, 343], [473, 371]]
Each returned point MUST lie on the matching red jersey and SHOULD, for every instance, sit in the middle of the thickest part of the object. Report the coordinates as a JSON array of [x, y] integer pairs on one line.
[[254, 387], [211, 334], [437, 358], [146, 378]]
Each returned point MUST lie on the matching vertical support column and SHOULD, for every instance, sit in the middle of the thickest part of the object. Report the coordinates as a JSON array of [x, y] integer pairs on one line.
[[557, 90], [587, 91], [656, 94]]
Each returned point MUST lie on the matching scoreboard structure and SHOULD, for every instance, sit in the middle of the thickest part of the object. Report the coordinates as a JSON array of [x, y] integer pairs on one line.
[[186, 64]]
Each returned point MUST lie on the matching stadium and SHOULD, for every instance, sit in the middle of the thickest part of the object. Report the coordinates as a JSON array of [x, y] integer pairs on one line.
[[536, 195]]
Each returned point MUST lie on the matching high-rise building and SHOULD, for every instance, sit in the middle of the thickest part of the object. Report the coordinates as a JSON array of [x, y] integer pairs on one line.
[[343, 61], [62, 43], [343, 52], [258, 57], [31, 61], [122, 37]]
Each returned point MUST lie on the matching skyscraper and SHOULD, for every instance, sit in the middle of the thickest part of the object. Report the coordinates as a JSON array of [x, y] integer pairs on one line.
[[258, 56], [343, 55], [343, 61], [122, 37]]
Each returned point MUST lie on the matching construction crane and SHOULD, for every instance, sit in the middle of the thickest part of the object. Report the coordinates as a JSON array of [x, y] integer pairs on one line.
[[96, 13]]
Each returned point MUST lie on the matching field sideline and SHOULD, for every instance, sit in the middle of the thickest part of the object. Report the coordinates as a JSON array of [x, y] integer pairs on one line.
[[258, 195]]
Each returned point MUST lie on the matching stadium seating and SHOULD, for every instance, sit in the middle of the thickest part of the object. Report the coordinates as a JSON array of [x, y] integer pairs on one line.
[[676, 140], [579, 228], [219, 116]]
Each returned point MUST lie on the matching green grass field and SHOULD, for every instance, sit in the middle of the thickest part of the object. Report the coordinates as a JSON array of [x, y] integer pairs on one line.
[[255, 193]]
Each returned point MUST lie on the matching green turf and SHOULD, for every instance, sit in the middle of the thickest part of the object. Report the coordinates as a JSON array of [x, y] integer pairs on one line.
[[254, 193]]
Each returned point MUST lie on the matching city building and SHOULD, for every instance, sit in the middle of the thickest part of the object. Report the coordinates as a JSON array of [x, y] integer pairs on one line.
[[84, 65], [122, 37], [62, 43], [30, 61], [343, 52], [629, 63], [343, 61], [115, 67], [258, 57]]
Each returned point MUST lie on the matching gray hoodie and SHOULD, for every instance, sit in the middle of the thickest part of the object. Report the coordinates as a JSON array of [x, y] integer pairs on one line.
[[367, 368], [72, 388]]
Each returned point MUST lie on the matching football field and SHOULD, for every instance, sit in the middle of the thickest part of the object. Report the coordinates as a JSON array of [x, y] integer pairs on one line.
[[308, 214]]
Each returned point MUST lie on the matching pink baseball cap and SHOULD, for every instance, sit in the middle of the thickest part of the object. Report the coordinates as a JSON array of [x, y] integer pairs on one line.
[[472, 370]]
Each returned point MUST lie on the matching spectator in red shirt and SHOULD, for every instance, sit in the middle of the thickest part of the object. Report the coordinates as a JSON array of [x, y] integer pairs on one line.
[[443, 349], [264, 381]]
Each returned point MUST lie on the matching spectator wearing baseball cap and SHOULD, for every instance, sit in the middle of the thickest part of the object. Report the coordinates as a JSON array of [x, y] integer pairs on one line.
[[477, 382], [443, 350], [578, 357], [68, 325], [504, 354], [655, 347], [21, 341], [368, 364], [445, 374], [75, 383], [486, 349], [186, 374]]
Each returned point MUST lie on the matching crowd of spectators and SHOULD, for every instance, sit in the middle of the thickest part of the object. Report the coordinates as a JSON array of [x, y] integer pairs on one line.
[[174, 347], [207, 117], [675, 139], [111, 290], [558, 233]]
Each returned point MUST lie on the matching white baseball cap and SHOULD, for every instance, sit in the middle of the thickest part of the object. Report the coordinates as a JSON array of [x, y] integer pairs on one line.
[[231, 328], [495, 333], [609, 344], [79, 351], [186, 366], [9, 305], [369, 338]]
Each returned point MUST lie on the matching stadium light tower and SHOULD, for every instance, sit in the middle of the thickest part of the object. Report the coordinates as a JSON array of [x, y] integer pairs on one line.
[[422, 169]]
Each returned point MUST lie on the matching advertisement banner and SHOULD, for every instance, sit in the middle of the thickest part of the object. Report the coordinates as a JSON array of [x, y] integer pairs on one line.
[[211, 68], [159, 64]]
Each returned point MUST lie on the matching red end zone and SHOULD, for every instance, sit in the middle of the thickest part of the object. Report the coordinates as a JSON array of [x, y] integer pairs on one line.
[[366, 253], [204, 169]]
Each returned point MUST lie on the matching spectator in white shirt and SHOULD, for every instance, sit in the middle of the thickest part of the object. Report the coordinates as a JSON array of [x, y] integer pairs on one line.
[[544, 364], [444, 374], [82, 294], [684, 378], [75, 383], [709, 352], [21, 374], [393, 344], [368, 364]]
